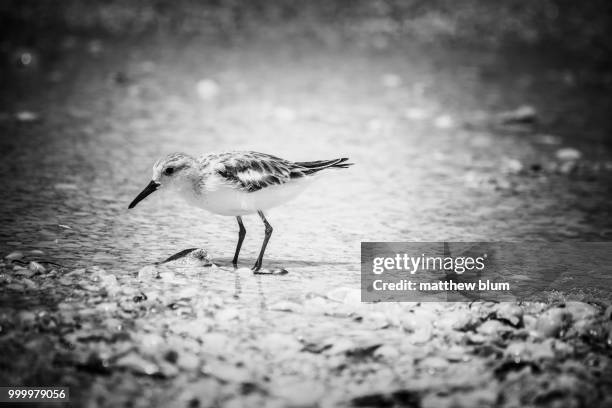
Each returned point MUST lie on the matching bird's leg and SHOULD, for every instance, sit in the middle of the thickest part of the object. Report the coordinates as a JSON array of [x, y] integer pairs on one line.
[[241, 234], [269, 230]]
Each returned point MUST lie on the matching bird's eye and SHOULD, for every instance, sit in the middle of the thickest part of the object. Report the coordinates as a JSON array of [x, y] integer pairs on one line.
[[169, 171]]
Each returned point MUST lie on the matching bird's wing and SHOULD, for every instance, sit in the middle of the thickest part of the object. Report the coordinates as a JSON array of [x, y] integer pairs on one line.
[[252, 171]]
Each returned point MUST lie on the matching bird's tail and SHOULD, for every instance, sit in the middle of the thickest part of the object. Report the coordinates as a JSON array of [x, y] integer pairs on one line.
[[315, 166]]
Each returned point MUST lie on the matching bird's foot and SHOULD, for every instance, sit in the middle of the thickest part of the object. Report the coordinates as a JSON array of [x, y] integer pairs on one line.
[[258, 270]]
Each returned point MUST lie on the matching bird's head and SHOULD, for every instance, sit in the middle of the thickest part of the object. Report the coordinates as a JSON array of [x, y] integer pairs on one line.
[[172, 171]]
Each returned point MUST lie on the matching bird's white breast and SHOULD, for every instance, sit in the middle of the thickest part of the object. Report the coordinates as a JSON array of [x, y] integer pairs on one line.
[[219, 197]]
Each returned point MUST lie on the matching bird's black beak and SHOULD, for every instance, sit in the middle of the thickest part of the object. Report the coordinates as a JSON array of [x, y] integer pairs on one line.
[[151, 187]]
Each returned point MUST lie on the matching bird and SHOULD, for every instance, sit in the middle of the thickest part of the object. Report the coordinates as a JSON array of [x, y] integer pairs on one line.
[[236, 183]]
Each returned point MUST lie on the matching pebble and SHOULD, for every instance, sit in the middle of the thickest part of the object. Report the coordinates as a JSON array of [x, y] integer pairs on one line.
[[108, 280], [552, 322], [512, 166], [29, 284], [25, 58], [568, 154], [522, 114], [567, 167], [138, 364], [27, 116], [493, 327], [148, 272], [14, 256], [23, 272], [420, 325], [476, 338], [509, 312], [202, 256], [456, 353], [168, 276], [195, 257], [454, 320], [581, 310], [421, 334], [36, 267]]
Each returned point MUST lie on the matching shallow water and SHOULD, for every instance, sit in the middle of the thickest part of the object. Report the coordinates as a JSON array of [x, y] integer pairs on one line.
[[69, 177]]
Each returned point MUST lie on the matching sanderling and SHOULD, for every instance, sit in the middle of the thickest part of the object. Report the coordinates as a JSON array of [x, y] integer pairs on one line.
[[236, 184]]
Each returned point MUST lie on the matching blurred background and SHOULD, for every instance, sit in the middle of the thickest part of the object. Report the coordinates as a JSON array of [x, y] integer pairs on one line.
[[582, 28], [467, 121]]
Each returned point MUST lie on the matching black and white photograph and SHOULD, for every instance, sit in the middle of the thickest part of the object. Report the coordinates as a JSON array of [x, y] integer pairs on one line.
[[306, 204]]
